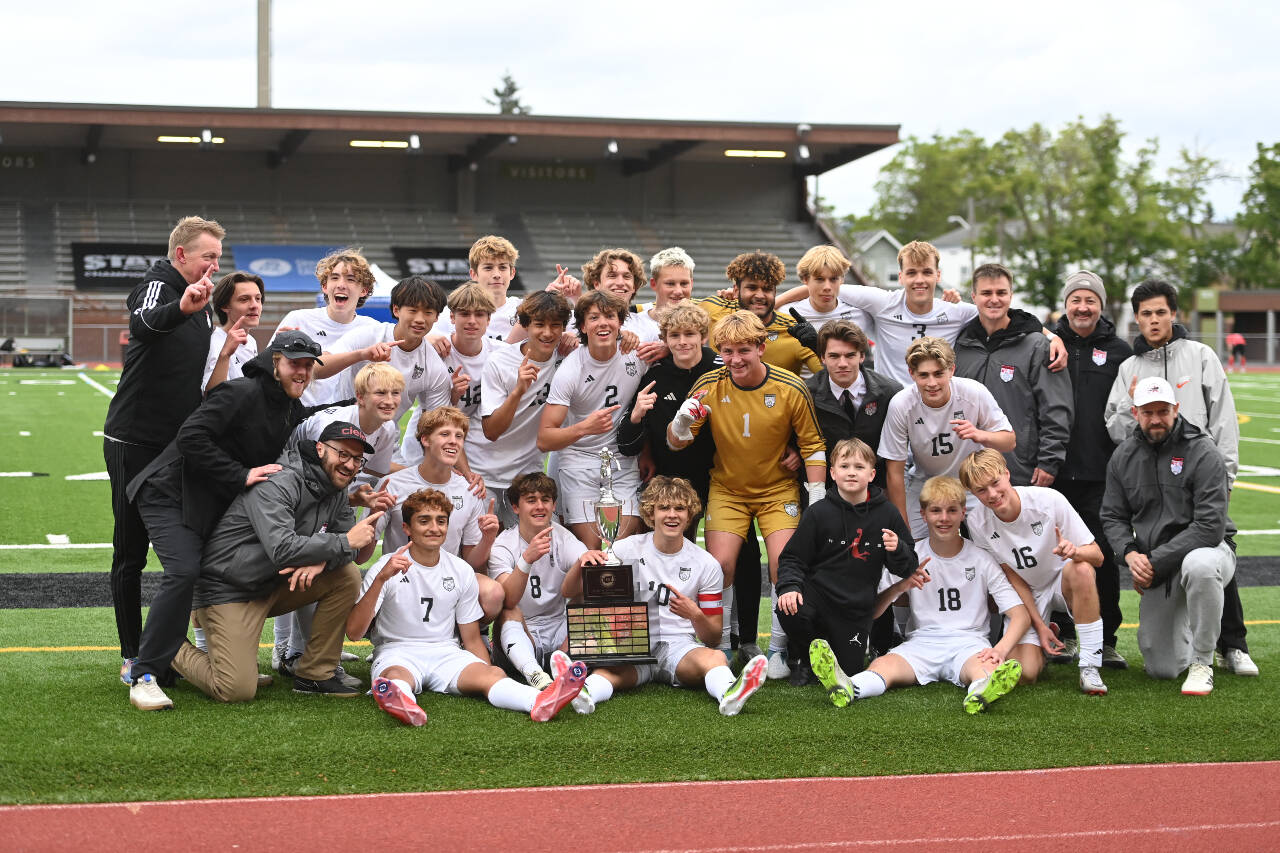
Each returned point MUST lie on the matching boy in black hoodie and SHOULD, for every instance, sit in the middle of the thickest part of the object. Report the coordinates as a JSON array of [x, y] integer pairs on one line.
[[829, 572]]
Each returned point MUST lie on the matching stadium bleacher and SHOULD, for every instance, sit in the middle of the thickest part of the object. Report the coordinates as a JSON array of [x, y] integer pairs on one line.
[[13, 258]]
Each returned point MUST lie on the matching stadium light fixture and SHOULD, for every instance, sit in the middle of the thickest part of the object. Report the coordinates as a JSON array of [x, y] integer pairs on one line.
[[802, 152], [378, 143], [611, 148], [415, 142], [191, 140], [761, 153]]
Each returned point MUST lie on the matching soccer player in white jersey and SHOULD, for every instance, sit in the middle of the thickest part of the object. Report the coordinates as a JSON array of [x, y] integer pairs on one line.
[[419, 607], [471, 306], [671, 278], [533, 561], [946, 637], [582, 414], [822, 270], [682, 585], [517, 383], [1048, 554], [237, 300], [493, 265], [346, 282], [939, 419]]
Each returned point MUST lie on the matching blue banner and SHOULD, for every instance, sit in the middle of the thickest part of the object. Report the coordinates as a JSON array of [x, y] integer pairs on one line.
[[283, 268]]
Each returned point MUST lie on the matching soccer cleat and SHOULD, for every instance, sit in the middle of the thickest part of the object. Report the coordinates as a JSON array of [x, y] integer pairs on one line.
[[745, 653], [349, 680], [330, 686], [562, 691], [1112, 659], [582, 703], [146, 695], [393, 700], [778, 668], [538, 679], [126, 671], [751, 679], [347, 656], [827, 668], [1091, 681], [1239, 662], [1199, 681], [279, 652], [801, 673], [265, 680], [984, 691]]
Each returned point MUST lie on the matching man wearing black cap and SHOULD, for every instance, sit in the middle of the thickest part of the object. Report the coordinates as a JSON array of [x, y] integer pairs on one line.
[[287, 541], [229, 443]]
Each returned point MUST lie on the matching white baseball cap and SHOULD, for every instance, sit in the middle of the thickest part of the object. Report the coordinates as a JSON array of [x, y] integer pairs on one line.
[[1153, 390]]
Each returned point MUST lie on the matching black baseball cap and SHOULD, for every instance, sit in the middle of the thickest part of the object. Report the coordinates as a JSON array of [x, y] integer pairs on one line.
[[343, 431], [296, 345]]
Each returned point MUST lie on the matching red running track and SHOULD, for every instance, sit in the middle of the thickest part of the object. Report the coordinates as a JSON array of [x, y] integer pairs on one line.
[[1165, 807]]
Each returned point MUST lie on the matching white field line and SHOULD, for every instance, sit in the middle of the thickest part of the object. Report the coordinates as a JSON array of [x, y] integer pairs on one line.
[[84, 377]]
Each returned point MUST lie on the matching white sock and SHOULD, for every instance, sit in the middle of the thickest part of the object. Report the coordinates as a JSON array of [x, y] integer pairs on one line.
[[867, 684], [201, 644], [727, 604], [404, 686], [600, 688], [718, 680], [1090, 637], [518, 648], [777, 636], [512, 696]]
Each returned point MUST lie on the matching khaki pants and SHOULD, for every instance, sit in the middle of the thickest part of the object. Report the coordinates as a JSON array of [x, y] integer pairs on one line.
[[229, 672]]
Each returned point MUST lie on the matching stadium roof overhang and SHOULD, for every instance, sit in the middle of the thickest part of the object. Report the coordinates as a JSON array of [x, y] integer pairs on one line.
[[640, 144]]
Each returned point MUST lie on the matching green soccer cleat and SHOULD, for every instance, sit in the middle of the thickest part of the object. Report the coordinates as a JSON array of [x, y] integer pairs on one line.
[[984, 691], [827, 668]]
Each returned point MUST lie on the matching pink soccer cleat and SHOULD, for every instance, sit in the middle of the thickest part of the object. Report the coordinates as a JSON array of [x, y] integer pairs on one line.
[[562, 691], [393, 700]]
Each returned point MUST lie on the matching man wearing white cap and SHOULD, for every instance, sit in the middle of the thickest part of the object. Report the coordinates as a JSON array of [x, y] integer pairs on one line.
[[1165, 512]]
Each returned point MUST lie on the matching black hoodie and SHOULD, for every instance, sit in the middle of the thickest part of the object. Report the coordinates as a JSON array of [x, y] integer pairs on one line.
[[838, 551]]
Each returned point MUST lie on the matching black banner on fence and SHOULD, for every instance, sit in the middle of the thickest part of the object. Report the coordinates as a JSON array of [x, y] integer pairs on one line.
[[113, 266], [447, 266]]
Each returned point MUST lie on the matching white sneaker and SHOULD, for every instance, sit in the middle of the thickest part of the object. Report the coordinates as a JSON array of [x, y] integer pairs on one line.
[[538, 679], [1199, 680], [146, 695], [1240, 663], [1091, 681], [346, 655], [279, 652], [778, 667]]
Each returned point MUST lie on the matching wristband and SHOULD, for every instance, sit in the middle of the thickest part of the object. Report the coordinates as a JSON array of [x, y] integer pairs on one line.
[[523, 565]]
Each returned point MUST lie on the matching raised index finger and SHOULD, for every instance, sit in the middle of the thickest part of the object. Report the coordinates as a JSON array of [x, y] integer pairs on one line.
[[649, 387]]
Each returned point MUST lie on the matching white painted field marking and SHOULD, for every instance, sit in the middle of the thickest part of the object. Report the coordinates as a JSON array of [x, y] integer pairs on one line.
[[22, 474], [84, 377], [97, 475], [24, 433], [58, 538], [1258, 415], [46, 382], [1258, 471], [97, 433], [74, 546], [1260, 440], [1273, 532]]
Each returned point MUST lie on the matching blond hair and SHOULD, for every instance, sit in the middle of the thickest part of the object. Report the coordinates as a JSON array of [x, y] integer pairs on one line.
[[443, 416], [926, 348], [471, 296], [919, 252], [982, 466], [740, 327], [378, 375], [491, 247], [940, 490], [853, 447], [673, 490], [821, 258], [684, 315], [672, 257], [191, 227]]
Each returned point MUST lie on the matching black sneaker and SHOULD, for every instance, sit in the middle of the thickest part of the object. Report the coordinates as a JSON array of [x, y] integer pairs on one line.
[[331, 686], [801, 673], [744, 654]]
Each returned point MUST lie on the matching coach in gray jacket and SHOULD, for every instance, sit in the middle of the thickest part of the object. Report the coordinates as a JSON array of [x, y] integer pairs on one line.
[[286, 542], [1007, 352], [1165, 512]]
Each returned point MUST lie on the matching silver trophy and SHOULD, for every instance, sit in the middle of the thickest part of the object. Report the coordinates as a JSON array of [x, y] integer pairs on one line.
[[607, 509]]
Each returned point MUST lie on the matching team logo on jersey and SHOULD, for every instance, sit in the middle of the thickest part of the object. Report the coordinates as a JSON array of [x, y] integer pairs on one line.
[[769, 400], [725, 399], [791, 508], [404, 579], [1006, 373], [1099, 357], [957, 415], [1037, 527], [632, 369], [870, 409], [685, 573], [920, 421], [941, 318], [1175, 464], [418, 370], [970, 572], [995, 535], [320, 333], [773, 336], [590, 378], [457, 501], [448, 584]]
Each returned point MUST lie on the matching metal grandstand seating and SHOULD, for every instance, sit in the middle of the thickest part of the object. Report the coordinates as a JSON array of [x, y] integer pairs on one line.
[[13, 258]]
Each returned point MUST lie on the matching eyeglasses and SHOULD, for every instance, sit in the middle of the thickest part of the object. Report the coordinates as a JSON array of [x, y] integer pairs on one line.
[[344, 457]]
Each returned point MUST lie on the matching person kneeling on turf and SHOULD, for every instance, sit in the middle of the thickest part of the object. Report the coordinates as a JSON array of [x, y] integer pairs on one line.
[[947, 626], [682, 585], [425, 626], [829, 570]]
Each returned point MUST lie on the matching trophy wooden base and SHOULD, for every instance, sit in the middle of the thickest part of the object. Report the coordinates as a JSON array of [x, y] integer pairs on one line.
[[608, 627]]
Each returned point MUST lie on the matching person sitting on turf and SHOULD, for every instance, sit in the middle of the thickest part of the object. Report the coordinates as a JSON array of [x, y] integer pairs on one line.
[[1049, 556], [946, 631], [425, 626], [290, 540], [533, 561], [829, 570], [682, 586]]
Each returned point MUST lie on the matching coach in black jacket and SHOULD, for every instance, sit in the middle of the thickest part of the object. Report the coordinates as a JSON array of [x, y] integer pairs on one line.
[[169, 327], [231, 442]]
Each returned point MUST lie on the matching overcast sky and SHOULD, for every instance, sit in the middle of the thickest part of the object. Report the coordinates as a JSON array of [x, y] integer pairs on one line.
[[1204, 76]]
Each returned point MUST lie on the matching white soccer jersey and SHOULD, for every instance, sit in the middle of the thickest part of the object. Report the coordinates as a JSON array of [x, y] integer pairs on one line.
[[425, 604], [927, 432], [954, 602], [464, 528], [426, 379], [410, 452], [643, 324], [585, 386], [1026, 544], [542, 601], [325, 331], [244, 353], [383, 439], [692, 572], [516, 450], [896, 327], [843, 310], [500, 321]]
